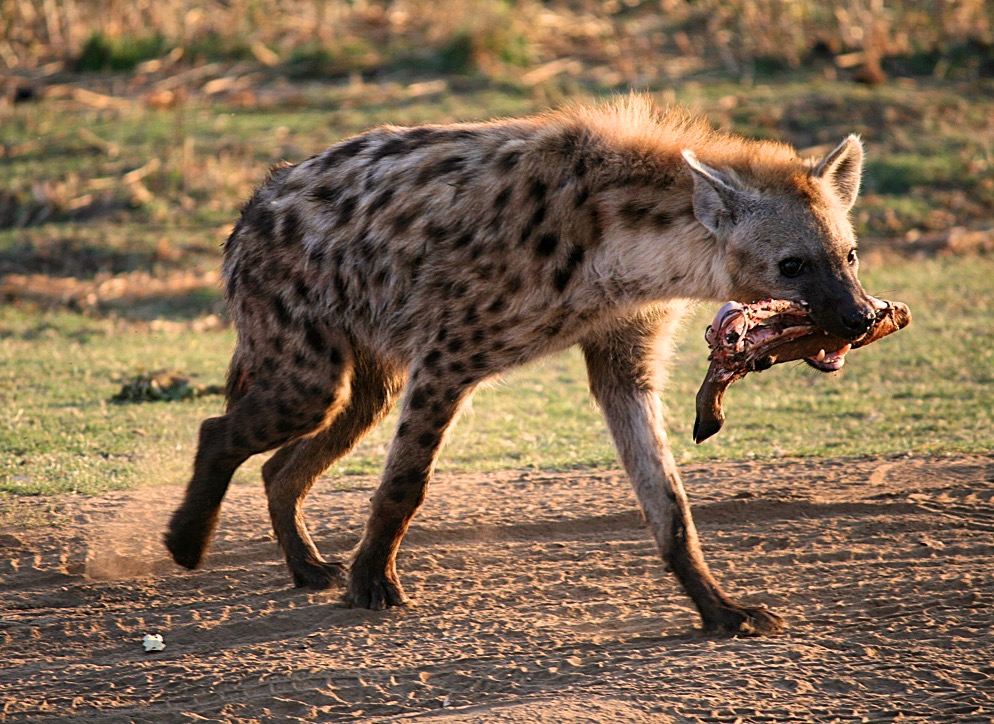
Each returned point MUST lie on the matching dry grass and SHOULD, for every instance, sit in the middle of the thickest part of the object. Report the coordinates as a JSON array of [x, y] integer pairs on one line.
[[629, 41]]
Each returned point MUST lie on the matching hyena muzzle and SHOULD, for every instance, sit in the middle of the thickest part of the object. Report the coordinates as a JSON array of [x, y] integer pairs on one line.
[[432, 258]]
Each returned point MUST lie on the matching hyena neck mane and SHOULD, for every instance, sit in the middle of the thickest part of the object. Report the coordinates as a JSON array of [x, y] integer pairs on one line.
[[630, 157]]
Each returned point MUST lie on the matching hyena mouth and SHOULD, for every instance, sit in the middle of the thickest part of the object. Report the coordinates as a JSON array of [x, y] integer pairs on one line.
[[753, 337], [745, 330]]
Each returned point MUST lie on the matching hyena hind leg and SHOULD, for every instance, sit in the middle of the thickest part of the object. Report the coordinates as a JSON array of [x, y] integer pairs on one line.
[[269, 414], [292, 471]]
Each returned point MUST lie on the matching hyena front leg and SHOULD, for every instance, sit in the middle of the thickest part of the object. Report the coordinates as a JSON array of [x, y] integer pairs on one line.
[[429, 408], [620, 367], [291, 472]]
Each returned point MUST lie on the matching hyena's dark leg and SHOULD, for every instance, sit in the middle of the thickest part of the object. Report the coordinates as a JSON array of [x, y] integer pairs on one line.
[[277, 405], [624, 382], [291, 472], [429, 409]]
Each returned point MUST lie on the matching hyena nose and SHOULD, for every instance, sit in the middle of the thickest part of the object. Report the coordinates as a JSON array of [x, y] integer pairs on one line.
[[858, 320]]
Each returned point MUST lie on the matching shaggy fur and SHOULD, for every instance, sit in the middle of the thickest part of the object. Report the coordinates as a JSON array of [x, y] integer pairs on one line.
[[435, 257]]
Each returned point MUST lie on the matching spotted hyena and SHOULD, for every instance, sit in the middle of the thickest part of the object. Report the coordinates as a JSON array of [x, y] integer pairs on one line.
[[432, 258]]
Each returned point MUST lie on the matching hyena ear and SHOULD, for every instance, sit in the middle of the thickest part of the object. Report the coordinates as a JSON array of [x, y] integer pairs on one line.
[[718, 198], [842, 169]]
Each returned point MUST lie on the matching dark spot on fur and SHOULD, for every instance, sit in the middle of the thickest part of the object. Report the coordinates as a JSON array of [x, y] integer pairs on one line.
[[596, 225], [336, 154], [300, 359], [661, 219], [419, 136], [345, 211], [634, 213], [312, 334], [381, 201], [455, 345], [464, 239], [335, 356], [419, 398], [537, 189], [507, 160], [436, 233], [478, 336], [514, 283], [497, 305], [457, 366], [341, 288], [259, 218], [565, 273], [402, 221], [442, 334], [580, 167], [313, 391], [281, 311], [292, 229], [317, 419], [433, 357], [502, 197], [302, 290], [316, 256], [536, 218], [471, 317], [403, 428], [412, 477], [327, 194], [392, 147], [581, 197], [428, 439], [547, 244], [553, 328], [440, 168], [479, 361]]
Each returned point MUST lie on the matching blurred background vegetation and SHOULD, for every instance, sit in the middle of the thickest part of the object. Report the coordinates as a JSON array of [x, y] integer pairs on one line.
[[793, 69], [131, 131], [629, 41]]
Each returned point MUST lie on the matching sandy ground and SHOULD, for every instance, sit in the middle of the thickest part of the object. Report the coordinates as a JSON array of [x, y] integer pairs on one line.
[[536, 598]]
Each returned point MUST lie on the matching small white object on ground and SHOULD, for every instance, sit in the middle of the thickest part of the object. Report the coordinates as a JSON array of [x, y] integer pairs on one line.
[[153, 642]]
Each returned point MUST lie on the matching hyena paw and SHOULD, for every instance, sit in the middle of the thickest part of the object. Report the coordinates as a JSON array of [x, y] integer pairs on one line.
[[318, 575], [375, 591], [188, 537], [737, 620]]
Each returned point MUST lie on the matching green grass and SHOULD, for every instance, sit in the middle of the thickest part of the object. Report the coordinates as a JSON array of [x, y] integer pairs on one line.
[[928, 389]]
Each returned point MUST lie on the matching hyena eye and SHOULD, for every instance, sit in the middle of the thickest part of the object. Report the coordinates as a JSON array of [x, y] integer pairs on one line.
[[792, 266], [852, 257]]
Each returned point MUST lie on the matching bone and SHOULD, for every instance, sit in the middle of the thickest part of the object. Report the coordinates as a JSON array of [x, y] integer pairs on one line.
[[726, 369]]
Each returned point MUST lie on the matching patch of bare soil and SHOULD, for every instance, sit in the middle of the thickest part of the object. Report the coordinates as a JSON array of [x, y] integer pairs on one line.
[[536, 598]]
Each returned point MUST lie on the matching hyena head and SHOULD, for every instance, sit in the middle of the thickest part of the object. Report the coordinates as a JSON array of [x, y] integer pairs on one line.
[[790, 238]]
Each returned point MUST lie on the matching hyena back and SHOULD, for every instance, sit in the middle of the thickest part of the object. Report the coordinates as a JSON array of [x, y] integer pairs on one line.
[[435, 257]]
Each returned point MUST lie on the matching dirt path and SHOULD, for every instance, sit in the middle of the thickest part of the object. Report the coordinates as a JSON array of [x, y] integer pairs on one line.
[[537, 598]]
